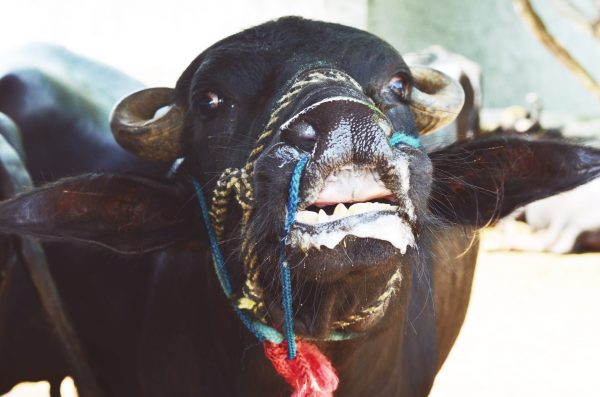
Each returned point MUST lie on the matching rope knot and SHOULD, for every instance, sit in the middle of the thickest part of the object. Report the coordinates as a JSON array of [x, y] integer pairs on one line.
[[310, 373]]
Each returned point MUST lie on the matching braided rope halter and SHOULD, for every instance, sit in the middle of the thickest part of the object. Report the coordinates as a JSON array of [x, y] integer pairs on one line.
[[304, 367]]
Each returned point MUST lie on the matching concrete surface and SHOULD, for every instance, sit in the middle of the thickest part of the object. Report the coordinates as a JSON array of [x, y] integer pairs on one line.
[[531, 330]]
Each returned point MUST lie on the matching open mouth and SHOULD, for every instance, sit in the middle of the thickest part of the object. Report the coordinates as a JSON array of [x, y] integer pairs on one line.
[[353, 201]]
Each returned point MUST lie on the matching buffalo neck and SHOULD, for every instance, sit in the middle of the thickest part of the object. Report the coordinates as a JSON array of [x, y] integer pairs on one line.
[[379, 362]]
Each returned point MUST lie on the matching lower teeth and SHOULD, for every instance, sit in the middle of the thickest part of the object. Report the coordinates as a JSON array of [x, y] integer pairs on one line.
[[311, 217]]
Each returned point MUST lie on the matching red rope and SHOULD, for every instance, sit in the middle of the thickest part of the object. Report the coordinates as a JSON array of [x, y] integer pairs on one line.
[[310, 374]]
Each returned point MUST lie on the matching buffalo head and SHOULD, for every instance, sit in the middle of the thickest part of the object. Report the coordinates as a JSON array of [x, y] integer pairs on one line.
[[363, 200]]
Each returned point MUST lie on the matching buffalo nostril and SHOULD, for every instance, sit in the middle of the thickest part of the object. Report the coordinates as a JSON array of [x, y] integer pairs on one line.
[[300, 134]]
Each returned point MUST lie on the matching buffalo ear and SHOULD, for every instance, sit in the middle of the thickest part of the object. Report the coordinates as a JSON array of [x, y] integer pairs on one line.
[[127, 214], [479, 181]]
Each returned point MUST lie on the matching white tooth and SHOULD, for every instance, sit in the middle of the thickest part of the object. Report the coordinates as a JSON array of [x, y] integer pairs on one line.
[[340, 210], [301, 216], [360, 208], [308, 217], [323, 217]]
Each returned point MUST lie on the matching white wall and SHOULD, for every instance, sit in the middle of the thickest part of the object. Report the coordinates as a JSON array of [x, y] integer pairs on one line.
[[153, 41], [489, 32]]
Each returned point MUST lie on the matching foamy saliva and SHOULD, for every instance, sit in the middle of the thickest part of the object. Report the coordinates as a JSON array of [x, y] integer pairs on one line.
[[384, 225]]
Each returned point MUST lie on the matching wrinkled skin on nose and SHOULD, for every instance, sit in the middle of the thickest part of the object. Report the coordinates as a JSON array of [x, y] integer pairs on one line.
[[354, 132], [342, 259]]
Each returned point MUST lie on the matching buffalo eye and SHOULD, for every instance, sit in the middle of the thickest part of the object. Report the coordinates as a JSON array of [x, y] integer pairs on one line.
[[398, 85], [207, 103]]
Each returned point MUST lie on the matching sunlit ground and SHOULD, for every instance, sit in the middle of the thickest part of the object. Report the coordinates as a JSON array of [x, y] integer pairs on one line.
[[532, 329]]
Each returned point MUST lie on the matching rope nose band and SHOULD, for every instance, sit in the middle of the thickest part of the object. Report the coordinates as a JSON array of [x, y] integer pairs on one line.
[[398, 138]]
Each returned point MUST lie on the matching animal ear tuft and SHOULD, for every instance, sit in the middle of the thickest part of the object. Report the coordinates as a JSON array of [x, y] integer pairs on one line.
[[477, 182], [124, 213]]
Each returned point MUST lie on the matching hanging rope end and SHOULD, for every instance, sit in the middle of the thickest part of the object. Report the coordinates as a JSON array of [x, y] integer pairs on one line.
[[310, 373]]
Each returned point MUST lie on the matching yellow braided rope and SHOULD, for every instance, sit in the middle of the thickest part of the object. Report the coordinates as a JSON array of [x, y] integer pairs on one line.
[[378, 307]]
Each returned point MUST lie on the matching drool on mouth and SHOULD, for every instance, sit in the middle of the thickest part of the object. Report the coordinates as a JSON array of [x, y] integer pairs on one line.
[[353, 201]]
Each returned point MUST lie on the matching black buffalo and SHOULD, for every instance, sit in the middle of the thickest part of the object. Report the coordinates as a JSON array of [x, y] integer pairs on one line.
[[132, 261]]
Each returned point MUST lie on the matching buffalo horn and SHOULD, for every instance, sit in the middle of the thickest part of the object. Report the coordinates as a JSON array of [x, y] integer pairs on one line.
[[148, 124], [436, 99]]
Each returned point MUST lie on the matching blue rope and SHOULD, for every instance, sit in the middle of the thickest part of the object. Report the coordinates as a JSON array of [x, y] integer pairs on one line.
[[400, 137], [218, 260], [284, 268], [261, 331]]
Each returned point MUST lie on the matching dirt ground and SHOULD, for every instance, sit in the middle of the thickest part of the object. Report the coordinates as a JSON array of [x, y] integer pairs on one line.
[[532, 329]]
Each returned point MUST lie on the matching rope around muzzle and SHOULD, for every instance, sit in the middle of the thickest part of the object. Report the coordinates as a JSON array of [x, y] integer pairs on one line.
[[304, 367]]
